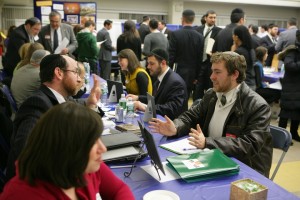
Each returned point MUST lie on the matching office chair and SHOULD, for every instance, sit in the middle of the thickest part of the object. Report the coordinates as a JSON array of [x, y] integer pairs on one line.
[[282, 139]]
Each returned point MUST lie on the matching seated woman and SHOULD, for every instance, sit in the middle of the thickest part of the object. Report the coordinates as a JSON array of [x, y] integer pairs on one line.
[[62, 159], [138, 81], [269, 94]]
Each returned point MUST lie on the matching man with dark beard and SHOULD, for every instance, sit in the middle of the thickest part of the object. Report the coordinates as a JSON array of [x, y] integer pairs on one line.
[[61, 78]]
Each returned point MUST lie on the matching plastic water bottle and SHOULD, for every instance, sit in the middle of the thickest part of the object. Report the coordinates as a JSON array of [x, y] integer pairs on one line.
[[122, 101], [130, 111], [104, 95], [87, 74]]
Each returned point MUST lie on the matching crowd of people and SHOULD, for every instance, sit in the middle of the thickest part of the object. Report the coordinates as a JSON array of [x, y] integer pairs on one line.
[[231, 108]]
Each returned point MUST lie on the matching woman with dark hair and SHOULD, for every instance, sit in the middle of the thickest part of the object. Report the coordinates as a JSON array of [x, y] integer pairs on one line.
[[290, 93], [137, 80], [62, 159], [269, 94], [10, 30], [242, 44], [130, 39]]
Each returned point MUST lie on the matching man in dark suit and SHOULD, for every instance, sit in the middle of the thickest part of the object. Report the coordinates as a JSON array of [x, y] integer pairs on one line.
[[105, 55], [169, 90], [186, 50], [23, 34], [52, 35], [253, 29], [61, 78], [269, 41], [162, 27], [208, 30], [224, 40], [144, 28]]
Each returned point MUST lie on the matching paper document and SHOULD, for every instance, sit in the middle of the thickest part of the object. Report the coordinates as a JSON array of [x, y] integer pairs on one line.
[[99, 43], [64, 43], [210, 44], [170, 174], [276, 86], [180, 147]]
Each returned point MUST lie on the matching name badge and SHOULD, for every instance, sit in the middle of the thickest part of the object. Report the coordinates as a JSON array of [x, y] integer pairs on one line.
[[47, 37]]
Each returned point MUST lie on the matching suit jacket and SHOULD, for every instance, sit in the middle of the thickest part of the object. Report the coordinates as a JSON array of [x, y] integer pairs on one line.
[[66, 31], [255, 41], [214, 32], [143, 31], [26, 118], [106, 47], [186, 49], [18, 37], [224, 39], [168, 32], [286, 38], [267, 42], [171, 96]]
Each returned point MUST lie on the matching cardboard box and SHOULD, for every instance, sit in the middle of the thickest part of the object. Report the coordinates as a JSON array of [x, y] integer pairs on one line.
[[247, 189]]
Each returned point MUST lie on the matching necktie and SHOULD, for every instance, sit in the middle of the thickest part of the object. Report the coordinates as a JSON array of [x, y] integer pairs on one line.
[[155, 88], [223, 100], [55, 40]]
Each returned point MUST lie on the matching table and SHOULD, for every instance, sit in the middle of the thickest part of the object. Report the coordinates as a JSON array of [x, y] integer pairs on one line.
[[141, 182], [272, 77]]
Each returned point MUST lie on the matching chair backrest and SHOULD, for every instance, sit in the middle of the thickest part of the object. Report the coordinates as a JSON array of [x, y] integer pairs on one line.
[[282, 139], [7, 100]]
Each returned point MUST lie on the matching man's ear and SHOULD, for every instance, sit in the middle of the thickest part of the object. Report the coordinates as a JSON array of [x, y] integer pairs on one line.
[[58, 73]]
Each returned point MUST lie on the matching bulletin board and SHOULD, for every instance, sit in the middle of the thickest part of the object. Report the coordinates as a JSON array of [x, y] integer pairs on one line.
[[71, 12]]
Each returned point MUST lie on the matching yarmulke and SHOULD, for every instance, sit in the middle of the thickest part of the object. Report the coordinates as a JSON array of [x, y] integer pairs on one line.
[[163, 54], [188, 13], [47, 60], [38, 55]]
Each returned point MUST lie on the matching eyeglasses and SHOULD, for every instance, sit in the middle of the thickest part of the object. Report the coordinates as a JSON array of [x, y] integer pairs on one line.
[[76, 72]]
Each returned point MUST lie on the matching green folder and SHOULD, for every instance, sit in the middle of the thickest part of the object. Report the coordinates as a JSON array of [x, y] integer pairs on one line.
[[203, 165]]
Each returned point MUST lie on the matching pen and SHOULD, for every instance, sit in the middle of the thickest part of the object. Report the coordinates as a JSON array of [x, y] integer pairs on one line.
[[189, 149], [121, 166]]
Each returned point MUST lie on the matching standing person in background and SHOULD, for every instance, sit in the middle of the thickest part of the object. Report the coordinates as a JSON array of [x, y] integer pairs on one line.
[[287, 37], [224, 40], [23, 34], [162, 27], [105, 53], [186, 50], [208, 30], [269, 41], [290, 93], [138, 81], [76, 172], [242, 44], [130, 39], [154, 40], [52, 35], [144, 28], [263, 31], [87, 46], [6, 41], [253, 29]]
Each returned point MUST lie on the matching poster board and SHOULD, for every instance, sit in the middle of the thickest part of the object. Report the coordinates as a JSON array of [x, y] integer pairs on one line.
[[71, 12]]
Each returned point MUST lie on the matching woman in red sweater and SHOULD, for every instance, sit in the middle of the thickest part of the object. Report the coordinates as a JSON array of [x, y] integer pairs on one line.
[[62, 160]]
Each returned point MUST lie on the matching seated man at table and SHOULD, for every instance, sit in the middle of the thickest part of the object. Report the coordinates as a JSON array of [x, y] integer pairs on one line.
[[169, 90], [61, 78], [230, 117]]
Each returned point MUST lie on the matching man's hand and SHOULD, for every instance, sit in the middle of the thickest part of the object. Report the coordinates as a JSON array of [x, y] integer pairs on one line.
[[139, 106], [64, 51], [134, 97], [197, 138], [166, 128], [95, 94]]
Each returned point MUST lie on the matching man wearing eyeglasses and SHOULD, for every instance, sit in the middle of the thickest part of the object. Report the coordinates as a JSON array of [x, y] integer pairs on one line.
[[231, 116], [23, 34], [61, 78]]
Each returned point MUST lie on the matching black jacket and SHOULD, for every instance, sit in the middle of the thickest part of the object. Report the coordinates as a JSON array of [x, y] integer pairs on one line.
[[248, 121]]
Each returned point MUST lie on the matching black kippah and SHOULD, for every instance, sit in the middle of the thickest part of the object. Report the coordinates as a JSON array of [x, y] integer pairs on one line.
[[161, 53]]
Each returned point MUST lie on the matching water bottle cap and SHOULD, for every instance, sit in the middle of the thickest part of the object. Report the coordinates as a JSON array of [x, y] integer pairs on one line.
[[122, 95]]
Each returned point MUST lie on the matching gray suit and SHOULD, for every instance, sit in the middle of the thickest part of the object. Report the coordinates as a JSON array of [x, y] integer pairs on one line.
[[66, 32], [105, 56], [286, 38]]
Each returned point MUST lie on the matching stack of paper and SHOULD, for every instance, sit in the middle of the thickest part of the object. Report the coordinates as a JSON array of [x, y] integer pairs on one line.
[[203, 165], [180, 147]]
